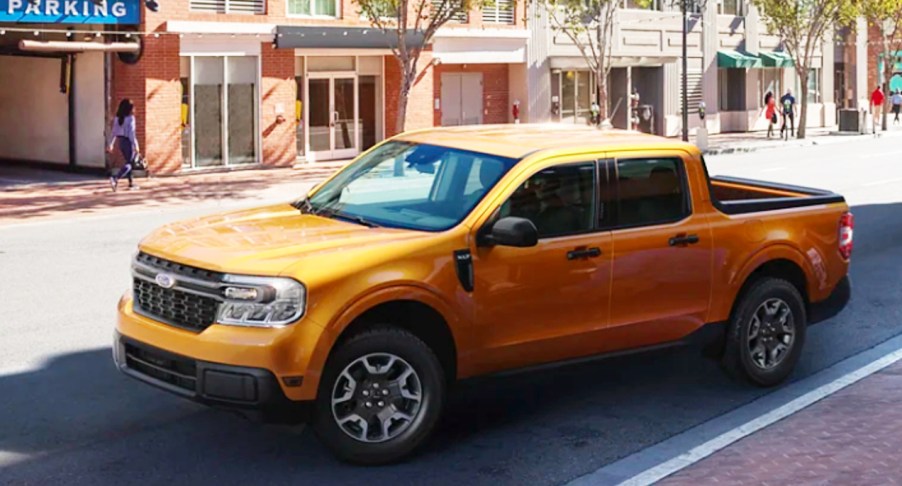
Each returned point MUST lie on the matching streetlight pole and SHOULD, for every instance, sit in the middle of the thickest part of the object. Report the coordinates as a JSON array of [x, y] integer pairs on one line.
[[684, 6]]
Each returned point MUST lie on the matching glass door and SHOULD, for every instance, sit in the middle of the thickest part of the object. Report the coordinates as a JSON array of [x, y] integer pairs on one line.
[[242, 110], [334, 127], [224, 114], [208, 113]]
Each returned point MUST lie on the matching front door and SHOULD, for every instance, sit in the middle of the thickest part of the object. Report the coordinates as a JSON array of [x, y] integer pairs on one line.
[[550, 301], [662, 254], [461, 102], [333, 117]]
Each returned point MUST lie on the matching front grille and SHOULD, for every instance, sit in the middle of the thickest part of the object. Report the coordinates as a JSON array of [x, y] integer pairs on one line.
[[191, 304], [171, 369], [189, 311]]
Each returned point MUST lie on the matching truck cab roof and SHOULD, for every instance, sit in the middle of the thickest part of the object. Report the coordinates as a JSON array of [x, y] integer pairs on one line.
[[523, 140]]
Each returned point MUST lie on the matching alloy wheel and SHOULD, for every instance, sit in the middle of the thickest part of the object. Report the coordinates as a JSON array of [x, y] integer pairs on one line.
[[771, 334], [376, 397]]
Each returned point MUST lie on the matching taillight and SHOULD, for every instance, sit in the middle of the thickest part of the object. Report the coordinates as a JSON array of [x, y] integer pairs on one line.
[[846, 233]]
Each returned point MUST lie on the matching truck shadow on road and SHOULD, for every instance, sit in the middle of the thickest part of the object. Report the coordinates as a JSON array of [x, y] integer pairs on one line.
[[77, 420]]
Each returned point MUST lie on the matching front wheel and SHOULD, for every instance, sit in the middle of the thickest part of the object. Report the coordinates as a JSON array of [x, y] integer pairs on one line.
[[380, 397], [766, 332]]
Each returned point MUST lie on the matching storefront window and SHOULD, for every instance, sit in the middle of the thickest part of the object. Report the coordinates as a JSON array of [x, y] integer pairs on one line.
[[208, 113], [313, 8], [242, 116], [185, 79], [568, 96], [577, 92], [730, 7], [642, 4], [814, 85], [770, 82], [731, 89]]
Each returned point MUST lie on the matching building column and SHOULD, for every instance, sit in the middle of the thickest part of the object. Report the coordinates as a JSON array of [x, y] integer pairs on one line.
[[710, 43], [826, 81], [278, 124], [861, 87]]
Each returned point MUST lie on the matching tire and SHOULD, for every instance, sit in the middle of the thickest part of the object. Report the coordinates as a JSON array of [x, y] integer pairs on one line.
[[373, 350], [760, 307]]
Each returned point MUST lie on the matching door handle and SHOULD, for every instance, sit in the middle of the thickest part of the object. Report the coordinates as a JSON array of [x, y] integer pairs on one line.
[[593, 252], [683, 240]]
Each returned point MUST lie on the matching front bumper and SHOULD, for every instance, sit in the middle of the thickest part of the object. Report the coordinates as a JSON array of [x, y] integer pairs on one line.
[[253, 392]]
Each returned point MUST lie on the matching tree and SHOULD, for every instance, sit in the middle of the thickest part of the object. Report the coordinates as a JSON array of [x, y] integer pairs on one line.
[[886, 16], [802, 25], [589, 24], [411, 25]]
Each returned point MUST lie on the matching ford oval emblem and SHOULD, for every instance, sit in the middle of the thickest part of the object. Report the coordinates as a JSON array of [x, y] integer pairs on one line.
[[165, 280]]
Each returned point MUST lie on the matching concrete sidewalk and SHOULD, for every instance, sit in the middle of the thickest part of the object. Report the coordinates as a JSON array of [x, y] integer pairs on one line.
[[32, 201], [851, 437], [727, 143]]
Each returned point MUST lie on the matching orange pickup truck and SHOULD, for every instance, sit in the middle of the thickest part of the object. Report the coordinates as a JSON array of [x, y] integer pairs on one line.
[[449, 253]]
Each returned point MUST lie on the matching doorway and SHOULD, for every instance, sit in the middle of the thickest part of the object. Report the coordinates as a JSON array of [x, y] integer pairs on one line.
[[224, 112], [458, 109], [334, 124]]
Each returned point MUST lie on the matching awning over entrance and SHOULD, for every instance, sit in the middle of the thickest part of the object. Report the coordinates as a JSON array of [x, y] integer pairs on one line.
[[736, 59], [296, 37], [776, 59]]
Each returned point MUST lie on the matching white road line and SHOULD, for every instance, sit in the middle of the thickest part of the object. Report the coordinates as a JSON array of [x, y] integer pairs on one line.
[[879, 154], [880, 183], [696, 454]]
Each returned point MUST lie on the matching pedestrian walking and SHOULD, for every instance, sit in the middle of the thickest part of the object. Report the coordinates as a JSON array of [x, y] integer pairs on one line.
[[897, 105], [123, 144], [770, 111], [788, 102], [877, 99]]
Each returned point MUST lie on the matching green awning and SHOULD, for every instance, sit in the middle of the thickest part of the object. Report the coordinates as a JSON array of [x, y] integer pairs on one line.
[[776, 59], [736, 59]]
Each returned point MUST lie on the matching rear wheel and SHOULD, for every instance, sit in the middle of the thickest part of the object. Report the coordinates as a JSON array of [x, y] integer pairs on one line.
[[380, 397], [766, 332]]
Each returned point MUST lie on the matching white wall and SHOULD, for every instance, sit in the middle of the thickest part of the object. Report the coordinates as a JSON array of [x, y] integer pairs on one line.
[[89, 110], [34, 117]]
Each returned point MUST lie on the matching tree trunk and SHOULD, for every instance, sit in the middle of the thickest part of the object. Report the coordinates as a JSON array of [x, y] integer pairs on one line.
[[407, 78], [803, 114], [601, 88]]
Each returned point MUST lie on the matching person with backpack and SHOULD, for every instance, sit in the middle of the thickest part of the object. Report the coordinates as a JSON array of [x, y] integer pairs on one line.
[[788, 102], [123, 144]]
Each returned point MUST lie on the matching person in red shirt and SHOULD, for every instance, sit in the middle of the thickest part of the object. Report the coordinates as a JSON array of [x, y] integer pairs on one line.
[[770, 112], [877, 99]]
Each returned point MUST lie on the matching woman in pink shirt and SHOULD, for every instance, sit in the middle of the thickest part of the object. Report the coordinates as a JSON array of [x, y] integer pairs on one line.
[[770, 111]]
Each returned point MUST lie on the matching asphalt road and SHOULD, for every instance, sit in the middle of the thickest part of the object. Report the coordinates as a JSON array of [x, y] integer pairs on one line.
[[67, 416]]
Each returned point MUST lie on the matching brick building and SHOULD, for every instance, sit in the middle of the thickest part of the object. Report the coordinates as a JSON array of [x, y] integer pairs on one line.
[[228, 83]]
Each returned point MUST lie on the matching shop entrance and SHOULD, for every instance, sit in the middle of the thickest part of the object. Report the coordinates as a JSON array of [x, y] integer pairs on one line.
[[334, 124], [224, 112], [461, 99]]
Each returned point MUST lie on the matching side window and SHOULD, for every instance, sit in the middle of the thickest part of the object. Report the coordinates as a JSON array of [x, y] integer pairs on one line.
[[559, 200], [650, 191]]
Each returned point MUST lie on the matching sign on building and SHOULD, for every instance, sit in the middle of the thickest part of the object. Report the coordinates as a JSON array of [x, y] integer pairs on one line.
[[123, 12]]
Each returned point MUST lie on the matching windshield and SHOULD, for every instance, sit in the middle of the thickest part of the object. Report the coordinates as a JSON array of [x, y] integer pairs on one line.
[[408, 185]]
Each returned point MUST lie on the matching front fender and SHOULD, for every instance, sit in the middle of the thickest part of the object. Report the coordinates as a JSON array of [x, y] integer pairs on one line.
[[360, 304]]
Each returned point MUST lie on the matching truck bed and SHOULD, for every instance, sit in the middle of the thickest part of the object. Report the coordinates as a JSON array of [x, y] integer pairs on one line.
[[734, 195]]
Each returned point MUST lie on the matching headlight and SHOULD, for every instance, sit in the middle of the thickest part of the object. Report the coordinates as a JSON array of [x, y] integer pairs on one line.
[[261, 301]]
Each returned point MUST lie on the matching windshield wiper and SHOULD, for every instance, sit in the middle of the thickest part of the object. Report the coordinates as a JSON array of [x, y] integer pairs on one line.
[[354, 218]]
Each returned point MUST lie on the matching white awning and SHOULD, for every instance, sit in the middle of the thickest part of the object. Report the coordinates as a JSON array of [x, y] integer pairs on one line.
[[478, 46], [66, 46]]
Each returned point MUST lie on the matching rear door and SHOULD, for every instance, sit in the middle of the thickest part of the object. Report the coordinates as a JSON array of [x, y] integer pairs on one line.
[[662, 258]]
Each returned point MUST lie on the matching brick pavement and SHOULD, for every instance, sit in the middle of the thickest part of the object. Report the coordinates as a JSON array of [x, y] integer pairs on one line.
[[853, 437], [30, 202]]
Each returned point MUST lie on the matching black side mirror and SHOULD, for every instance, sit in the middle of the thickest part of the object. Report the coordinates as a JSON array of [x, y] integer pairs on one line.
[[512, 231]]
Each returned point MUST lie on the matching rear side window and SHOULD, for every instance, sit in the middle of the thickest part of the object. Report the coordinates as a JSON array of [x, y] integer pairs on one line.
[[650, 191]]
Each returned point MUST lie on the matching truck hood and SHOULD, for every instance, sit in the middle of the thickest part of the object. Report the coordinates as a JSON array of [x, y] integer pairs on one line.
[[263, 241]]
